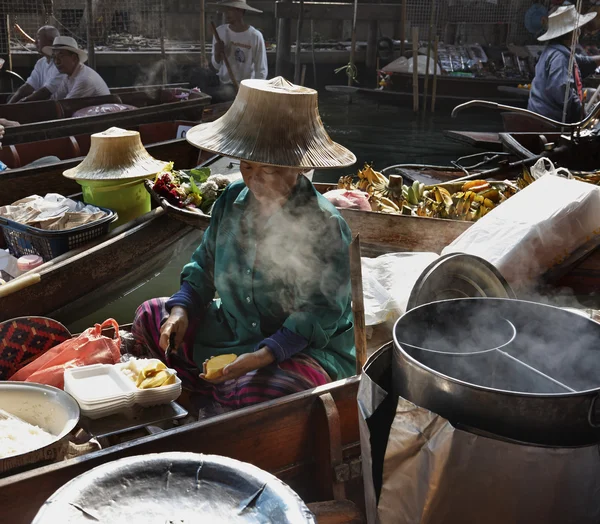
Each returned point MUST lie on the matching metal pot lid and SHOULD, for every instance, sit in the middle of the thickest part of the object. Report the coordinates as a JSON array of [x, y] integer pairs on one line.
[[458, 275], [175, 487]]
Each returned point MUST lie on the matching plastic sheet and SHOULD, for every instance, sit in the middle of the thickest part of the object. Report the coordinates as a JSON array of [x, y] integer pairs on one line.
[[535, 230], [445, 474]]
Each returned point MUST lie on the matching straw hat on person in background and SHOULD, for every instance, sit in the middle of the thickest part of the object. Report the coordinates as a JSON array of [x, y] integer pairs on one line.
[[237, 4], [116, 154], [273, 122], [66, 43], [564, 20]]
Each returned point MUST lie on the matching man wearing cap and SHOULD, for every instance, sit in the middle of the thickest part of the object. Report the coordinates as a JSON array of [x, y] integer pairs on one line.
[[242, 44], [552, 76], [45, 78], [80, 80]]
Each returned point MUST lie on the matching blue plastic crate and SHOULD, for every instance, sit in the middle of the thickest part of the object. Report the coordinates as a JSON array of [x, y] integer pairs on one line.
[[26, 240]]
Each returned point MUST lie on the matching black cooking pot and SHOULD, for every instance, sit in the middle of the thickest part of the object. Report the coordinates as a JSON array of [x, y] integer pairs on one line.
[[456, 358]]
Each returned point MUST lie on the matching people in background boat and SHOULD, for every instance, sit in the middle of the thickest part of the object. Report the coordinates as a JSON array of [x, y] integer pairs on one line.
[[275, 255], [552, 76], [79, 80], [45, 78], [242, 44]]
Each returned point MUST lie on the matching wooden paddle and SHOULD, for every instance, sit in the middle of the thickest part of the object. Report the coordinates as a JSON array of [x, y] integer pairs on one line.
[[227, 65]]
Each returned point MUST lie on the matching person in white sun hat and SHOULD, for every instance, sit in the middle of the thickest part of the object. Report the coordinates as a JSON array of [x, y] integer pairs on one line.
[[242, 44], [80, 80], [552, 75]]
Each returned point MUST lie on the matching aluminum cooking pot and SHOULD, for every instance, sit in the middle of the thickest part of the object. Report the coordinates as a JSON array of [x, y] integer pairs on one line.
[[175, 487], [45, 406], [541, 387]]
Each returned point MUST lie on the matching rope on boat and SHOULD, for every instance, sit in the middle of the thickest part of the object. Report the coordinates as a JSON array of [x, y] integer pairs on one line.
[[572, 60]]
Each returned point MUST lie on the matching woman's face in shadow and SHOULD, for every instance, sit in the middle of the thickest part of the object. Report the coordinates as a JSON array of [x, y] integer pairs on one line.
[[269, 183]]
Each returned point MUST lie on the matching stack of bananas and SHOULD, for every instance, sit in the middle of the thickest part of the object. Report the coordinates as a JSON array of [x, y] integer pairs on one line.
[[459, 201], [385, 195]]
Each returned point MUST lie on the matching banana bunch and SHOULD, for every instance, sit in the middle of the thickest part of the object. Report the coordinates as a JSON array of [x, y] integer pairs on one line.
[[372, 182], [413, 194], [383, 205]]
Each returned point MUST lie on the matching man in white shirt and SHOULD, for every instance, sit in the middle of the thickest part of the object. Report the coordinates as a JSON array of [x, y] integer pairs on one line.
[[45, 78], [80, 80], [242, 44]]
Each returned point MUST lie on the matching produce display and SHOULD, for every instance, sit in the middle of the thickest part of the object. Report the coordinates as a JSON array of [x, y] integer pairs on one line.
[[215, 365], [469, 200], [146, 376], [195, 190]]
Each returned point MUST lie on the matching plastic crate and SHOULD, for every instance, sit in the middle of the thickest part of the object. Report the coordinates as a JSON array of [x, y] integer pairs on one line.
[[26, 240]]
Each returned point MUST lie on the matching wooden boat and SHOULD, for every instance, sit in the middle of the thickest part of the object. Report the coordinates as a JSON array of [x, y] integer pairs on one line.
[[310, 440], [580, 154], [113, 263], [383, 233], [53, 119]]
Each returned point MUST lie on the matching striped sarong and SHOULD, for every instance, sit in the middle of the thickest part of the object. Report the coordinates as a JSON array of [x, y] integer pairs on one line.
[[299, 373]]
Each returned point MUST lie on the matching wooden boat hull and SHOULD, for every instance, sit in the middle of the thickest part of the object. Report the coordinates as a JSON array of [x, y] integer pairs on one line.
[[309, 440], [49, 119]]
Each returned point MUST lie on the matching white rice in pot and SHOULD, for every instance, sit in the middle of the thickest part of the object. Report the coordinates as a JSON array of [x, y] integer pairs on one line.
[[17, 437]]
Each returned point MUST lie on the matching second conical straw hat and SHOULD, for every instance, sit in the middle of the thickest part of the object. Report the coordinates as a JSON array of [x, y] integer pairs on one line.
[[116, 154], [273, 122]]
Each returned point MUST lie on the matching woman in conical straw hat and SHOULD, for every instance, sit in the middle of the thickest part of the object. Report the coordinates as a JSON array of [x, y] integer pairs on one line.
[[275, 254], [552, 75]]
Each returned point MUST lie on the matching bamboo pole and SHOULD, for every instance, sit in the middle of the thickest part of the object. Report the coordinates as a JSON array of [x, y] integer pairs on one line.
[[163, 53], [225, 59], [403, 28], [429, 46], [415, 46], [358, 305], [299, 25], [353, 44], [91, 49], [203, 34], [303, 75], [435, 61]]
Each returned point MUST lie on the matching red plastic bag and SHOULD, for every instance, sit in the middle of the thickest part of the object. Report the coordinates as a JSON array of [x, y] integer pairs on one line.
[[91, 347]]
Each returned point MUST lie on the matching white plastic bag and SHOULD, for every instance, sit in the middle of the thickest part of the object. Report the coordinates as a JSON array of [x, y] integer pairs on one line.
[[388, 281], [534, 230]]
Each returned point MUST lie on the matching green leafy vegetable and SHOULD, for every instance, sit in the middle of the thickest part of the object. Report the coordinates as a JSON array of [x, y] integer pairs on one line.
[[200, 175]]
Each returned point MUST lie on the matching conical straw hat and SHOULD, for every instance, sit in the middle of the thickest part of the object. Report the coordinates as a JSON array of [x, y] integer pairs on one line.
[[273, 122], [563, 21], [116, 154]]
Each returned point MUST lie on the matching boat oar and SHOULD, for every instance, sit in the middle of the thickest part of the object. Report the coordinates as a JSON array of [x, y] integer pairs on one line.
[[225, 59], [18, 284]]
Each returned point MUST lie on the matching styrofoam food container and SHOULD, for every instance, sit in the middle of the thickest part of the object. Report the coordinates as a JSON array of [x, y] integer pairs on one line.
[[103, 389]]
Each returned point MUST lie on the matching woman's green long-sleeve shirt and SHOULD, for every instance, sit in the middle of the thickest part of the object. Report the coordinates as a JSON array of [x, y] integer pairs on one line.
[[290, 270]]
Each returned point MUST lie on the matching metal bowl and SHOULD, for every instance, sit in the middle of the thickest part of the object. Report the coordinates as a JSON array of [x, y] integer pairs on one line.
[[45, 406], [159, 488]]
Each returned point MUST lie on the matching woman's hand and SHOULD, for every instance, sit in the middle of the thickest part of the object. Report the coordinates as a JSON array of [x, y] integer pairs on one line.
[[177, 325], [243, 364]]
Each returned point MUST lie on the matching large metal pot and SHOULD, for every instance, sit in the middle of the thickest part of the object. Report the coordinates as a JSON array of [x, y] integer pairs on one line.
[[45, 406], [542, 387], [175, 487]]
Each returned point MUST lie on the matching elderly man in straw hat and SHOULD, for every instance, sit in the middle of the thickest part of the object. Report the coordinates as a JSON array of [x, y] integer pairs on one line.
[[275, 254], [242, 44], [552, 74], [80, 80]]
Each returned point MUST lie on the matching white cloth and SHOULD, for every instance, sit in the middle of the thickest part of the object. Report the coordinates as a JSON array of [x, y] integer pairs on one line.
[[46, 75], [82, 83], [246, 53]]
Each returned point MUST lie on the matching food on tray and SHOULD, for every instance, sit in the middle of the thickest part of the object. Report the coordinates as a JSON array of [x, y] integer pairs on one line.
[[18, 436], [214, 367], [194, 190], [148, 373]]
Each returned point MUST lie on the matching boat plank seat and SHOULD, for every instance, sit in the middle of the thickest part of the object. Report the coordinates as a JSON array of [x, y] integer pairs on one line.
[[9, 156], [72, 105], [64, 148], [31, 112], [151, 133], [336, 512]]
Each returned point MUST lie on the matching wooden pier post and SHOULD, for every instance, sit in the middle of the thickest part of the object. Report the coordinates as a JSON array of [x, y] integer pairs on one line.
[[435, 59], [415, 46], [403, 27], [371, 58], [299, 25], [284, 46], [91, 49]]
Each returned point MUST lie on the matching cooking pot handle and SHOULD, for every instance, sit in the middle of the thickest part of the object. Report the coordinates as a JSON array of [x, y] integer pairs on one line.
[[592, 415]]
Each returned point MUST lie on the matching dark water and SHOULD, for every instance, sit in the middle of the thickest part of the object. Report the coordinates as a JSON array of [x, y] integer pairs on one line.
[[381, 134]]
